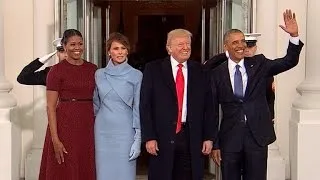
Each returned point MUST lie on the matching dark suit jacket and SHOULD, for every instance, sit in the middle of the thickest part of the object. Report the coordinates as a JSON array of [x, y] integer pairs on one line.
[[29, 76], [218, 59], [254, 105], [270, 95], [159, 112]]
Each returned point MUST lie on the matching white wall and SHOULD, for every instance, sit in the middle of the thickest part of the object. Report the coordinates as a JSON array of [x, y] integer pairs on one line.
[[286, 83], [18, 43]]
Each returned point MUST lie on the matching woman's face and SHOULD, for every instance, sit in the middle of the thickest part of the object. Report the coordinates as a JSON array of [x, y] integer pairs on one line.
[[74, 47], [118, 52]]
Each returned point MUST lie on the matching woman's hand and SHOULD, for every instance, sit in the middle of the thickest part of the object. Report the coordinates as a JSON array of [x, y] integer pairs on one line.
[[59, 150]]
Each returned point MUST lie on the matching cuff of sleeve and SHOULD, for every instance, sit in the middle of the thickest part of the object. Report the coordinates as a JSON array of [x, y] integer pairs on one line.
[[294, 40]]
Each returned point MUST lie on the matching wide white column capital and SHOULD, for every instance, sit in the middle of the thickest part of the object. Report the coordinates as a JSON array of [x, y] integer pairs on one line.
[[310, 94]]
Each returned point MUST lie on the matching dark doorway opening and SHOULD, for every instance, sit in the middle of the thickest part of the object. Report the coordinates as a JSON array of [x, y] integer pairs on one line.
[[152, 37]]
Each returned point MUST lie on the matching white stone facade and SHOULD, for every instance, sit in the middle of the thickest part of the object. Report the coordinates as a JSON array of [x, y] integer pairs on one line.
[[27, 26]]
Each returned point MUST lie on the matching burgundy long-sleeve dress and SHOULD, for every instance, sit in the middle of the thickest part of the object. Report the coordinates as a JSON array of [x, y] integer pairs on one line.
[[75, 123]]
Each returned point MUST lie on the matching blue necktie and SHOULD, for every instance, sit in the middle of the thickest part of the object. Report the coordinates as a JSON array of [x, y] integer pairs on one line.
[[238, 84]]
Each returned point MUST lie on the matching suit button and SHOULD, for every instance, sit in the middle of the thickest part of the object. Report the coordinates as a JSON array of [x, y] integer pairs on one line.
[[174, 123], [172, 142]]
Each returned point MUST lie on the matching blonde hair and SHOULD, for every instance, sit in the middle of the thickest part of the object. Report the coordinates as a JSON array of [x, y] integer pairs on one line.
[[177, 33]]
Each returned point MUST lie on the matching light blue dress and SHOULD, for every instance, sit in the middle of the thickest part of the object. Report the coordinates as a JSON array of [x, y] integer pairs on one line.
[[116, 107]]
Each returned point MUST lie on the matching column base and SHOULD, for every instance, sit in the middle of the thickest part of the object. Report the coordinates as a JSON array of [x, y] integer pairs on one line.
[[10, 140], [33, 161], [276, 169], [304, 144]]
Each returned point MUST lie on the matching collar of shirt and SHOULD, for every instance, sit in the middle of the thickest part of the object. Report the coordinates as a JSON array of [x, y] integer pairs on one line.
[[232, 67], [174, 63], [174, 66], [227, 54]]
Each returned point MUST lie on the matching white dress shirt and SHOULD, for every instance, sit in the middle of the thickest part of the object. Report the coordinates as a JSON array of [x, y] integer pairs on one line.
[[174, 66], [242, 69]]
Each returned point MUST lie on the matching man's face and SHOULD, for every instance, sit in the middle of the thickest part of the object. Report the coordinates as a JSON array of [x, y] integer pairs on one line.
[[180, 48], [235, 44], [62, 55], [250, 51]]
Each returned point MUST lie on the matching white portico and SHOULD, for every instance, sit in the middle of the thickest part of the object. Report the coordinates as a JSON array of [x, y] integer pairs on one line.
[[295, 155]]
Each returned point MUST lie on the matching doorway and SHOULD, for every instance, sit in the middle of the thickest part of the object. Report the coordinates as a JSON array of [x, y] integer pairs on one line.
[[152, 36], [146, 24]]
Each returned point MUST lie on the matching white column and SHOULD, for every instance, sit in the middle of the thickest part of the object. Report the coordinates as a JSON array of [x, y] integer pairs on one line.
[[44, 31], [267, 25], [305, 122], [9, 151]]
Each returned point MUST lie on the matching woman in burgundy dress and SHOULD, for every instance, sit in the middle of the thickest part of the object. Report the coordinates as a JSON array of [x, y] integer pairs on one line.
[[68, 152]]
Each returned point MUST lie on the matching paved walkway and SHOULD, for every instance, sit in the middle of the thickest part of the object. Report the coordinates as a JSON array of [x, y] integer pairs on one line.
[[144, 177]]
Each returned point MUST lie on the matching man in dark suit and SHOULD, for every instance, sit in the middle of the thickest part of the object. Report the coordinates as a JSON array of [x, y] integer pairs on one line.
[[251, 41], [176, 113], [239, 86]]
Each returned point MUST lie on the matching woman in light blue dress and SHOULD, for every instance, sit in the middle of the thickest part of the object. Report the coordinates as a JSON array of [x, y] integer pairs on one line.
[[116, 107]]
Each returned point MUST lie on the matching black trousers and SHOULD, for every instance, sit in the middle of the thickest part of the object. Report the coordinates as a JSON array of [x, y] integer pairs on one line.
[[250, 162], [182, 157]]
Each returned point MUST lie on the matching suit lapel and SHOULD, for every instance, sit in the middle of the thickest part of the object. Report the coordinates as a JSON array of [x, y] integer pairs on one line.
[[168, 76], [191, 82], [226, 78], [249, 65]]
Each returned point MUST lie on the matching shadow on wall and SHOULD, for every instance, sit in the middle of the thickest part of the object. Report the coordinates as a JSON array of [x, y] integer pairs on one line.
[[25, 117]]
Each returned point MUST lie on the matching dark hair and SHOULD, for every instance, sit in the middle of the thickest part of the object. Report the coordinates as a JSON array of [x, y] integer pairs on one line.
[[118, 37], [69, 33], [60, 48], [227, 34], [251, 43]]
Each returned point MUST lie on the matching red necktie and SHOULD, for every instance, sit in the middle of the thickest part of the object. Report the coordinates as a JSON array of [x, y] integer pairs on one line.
[[180, 92]]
